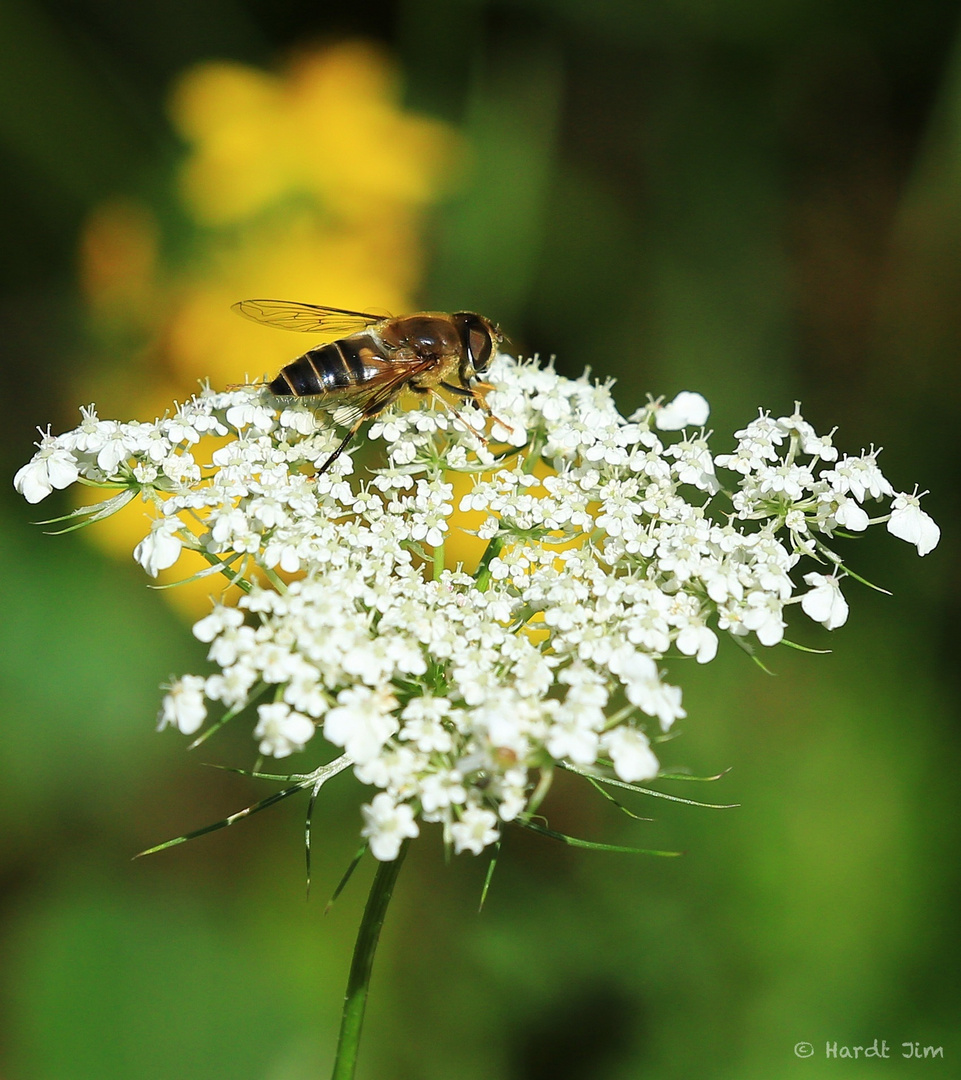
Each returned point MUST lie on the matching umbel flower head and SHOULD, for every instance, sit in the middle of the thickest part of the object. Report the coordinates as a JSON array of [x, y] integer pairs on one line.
[[454, 691]]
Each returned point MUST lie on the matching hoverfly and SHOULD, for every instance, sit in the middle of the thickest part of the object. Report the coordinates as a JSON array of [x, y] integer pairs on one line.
[[379, 357]]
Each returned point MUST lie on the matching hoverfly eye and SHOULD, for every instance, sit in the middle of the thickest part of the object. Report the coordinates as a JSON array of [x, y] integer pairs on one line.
[[481, 347]]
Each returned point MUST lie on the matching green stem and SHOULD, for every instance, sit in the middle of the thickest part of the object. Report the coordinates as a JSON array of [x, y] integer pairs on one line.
[[275, 579], [358, 982], [534, 453], [224, 568], [482, 575], [438, 561]]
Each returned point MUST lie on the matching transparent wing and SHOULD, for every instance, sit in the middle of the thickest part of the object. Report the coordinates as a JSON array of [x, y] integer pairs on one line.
[[353, 403], [308, 318]]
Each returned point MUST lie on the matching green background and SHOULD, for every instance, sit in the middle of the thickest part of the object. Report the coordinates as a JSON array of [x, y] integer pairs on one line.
[[757, 200]]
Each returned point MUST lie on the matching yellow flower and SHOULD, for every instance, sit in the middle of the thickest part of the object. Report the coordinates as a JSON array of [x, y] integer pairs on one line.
[[329, 129]]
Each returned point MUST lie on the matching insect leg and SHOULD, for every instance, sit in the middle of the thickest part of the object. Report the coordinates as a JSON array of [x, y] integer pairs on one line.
[[461, 391], [373, 407], [478, 394], [341, 448], [470, 427]]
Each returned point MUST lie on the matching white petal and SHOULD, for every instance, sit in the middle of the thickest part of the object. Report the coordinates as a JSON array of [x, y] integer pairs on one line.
[[825, 603], [688, 409], [851, 516], [699, 641], [61, 470], [631, 753], [909, 522], [33, 482], [158, 550]]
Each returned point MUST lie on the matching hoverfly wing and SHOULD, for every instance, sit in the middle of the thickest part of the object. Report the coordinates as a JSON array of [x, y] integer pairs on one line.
[[307, 318], [365, 400]]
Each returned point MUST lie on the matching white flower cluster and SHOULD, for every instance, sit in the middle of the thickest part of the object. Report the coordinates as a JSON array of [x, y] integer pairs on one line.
[[455, 692]]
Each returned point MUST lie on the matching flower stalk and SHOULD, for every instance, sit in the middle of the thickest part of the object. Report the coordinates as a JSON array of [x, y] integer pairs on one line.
[[362, 963]]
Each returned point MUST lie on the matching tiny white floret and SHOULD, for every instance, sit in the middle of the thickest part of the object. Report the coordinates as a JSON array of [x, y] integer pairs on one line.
[[631, 754], [688, 409], [281, 731], [161, 547], [184, 707], [387, 825], [909, 522], [825, 603], [476, 830], [51, 467]]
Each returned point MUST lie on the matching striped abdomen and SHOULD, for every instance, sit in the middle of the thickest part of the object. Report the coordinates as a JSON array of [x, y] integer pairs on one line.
[[330, 368]]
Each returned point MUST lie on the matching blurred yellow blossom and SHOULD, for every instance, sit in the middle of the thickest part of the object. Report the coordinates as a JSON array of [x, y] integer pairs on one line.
[[308, 184], [330, 129]]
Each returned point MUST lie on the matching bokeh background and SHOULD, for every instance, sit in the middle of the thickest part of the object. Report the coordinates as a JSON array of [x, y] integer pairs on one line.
[[757, 200]]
